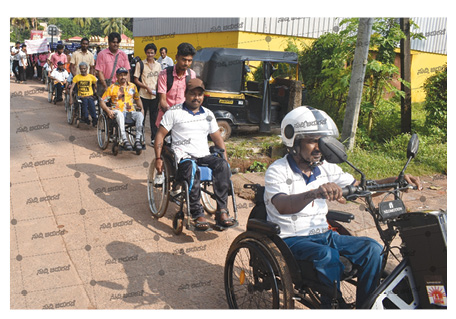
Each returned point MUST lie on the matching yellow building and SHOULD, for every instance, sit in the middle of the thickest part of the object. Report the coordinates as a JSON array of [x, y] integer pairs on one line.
[[428, 56]]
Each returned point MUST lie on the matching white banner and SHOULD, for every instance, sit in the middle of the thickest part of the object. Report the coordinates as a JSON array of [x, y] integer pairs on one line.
[[36, 46]]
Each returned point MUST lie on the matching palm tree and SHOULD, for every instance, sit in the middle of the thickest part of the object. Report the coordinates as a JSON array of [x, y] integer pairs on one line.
[[83, 21], [111, 25], [21, 23]]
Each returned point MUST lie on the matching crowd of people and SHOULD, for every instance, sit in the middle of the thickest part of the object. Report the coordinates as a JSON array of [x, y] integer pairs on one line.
[[95, 70]]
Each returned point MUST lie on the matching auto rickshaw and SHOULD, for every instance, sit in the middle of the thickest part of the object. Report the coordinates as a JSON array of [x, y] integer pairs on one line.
[[238, 101]]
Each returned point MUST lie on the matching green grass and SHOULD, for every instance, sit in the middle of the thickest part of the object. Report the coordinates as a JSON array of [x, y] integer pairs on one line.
[[389, 159]]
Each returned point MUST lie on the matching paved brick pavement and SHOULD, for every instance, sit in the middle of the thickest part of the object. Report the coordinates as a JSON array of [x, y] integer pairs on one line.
[[81, 234]]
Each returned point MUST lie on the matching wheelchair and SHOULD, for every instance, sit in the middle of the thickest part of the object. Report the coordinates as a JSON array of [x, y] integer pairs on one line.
[[74, 110], [262, 273], [170, 189], [108, 131]]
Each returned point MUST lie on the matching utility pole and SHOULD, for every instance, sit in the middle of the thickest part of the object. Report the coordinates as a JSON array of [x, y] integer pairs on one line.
[[355, 91], [406, 101]]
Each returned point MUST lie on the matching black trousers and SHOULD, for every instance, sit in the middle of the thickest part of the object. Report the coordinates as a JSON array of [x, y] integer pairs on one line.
[[16, 69], [22, 73], [151, 106], [221, 175]]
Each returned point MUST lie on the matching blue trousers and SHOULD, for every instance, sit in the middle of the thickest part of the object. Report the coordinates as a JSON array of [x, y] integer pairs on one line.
[[87, 102], [324, 251]]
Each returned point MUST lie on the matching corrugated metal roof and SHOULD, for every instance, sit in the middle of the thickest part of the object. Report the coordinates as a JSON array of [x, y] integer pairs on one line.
[[435, 29]]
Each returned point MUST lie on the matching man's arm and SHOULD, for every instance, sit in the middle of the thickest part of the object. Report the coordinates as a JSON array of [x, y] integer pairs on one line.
[[219, 142], [158, 146], [291, 204]]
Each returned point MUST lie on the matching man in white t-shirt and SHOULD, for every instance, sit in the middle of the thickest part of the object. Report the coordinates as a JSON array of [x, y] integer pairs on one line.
[[297, 187], [164, 60], [190, 124]]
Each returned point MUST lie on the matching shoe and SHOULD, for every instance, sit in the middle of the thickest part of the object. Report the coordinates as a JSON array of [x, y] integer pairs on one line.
[[94, 122], [127, 146], [159, 179], [152, 143], [138, 145]]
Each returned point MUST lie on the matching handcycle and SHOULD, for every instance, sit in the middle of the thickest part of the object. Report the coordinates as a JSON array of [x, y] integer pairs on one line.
[[261, 272], [165, 188], [108, 131]]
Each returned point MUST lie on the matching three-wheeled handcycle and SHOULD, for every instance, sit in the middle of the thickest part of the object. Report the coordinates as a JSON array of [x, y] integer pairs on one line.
[[261, 272]]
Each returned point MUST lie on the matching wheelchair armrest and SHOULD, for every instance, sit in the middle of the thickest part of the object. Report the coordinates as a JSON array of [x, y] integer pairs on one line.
[[216, 151], [340, 216], [263, 226]]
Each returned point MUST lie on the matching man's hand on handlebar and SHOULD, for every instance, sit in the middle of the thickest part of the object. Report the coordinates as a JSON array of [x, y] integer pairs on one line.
[[329, 191], [413, 180]]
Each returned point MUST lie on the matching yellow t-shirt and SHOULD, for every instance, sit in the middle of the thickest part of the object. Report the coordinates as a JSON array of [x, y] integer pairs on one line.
[[121, 97], [85, 84]]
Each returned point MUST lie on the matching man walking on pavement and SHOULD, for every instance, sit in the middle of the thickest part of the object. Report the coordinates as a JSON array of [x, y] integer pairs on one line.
[[146, 77], [172, 81], [15, 53], [83, 55], [164, 60], [108, 61]]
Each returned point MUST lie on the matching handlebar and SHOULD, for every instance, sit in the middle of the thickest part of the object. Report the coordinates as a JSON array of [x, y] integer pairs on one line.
[[369, 189]]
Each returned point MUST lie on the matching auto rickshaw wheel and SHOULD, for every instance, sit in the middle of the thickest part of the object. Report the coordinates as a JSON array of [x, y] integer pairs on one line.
[[225, 129]]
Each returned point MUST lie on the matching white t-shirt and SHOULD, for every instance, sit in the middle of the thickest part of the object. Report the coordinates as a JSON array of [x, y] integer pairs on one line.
[[22, 58], [59, 76], [281, 178], [189, 131], [16, 56], [167, 61]]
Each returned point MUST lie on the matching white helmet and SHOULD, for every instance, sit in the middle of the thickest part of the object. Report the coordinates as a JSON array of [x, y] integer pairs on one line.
[[306, 121]]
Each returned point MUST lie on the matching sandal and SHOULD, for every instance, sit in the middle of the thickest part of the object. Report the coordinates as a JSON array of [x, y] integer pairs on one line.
[[127, 146], [200, 225], [224, 223]]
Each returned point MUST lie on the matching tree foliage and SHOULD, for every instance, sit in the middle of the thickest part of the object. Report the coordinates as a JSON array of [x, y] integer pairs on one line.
[[435, 104], [326, 66], [70, 27]]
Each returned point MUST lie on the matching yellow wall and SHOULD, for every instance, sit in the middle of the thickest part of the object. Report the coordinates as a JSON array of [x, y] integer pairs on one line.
[[198, 40], [424, 65]]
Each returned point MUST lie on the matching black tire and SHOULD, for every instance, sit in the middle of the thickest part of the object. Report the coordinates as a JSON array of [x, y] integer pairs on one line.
[[178, 223], [256, 275], [209, 204], [158, 194], [50, 91], [225, 129], [70, 114], [102, 132]]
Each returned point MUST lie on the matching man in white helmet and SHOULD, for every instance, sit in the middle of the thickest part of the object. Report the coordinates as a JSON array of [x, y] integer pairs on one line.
[[297, 187]]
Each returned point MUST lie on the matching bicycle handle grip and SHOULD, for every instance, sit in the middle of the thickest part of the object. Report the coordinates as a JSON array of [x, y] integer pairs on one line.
[[349, 190]]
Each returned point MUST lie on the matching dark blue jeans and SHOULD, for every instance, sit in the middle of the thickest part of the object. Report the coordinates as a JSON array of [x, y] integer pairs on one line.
[[324, 251], [88, 102]]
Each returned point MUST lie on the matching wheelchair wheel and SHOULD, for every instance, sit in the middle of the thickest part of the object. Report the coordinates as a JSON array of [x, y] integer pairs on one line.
[[178, 222], [256, 275], [158, 193], [50, 91], [102, 132], [209, 204], [70, 114], [77, 115]]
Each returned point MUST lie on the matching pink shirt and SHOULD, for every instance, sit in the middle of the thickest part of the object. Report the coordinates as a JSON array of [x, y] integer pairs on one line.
[[105, 63], [176, 94], [55, 58]]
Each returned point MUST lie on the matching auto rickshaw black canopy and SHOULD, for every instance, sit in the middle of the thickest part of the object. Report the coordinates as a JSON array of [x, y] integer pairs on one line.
[[221, 69]]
